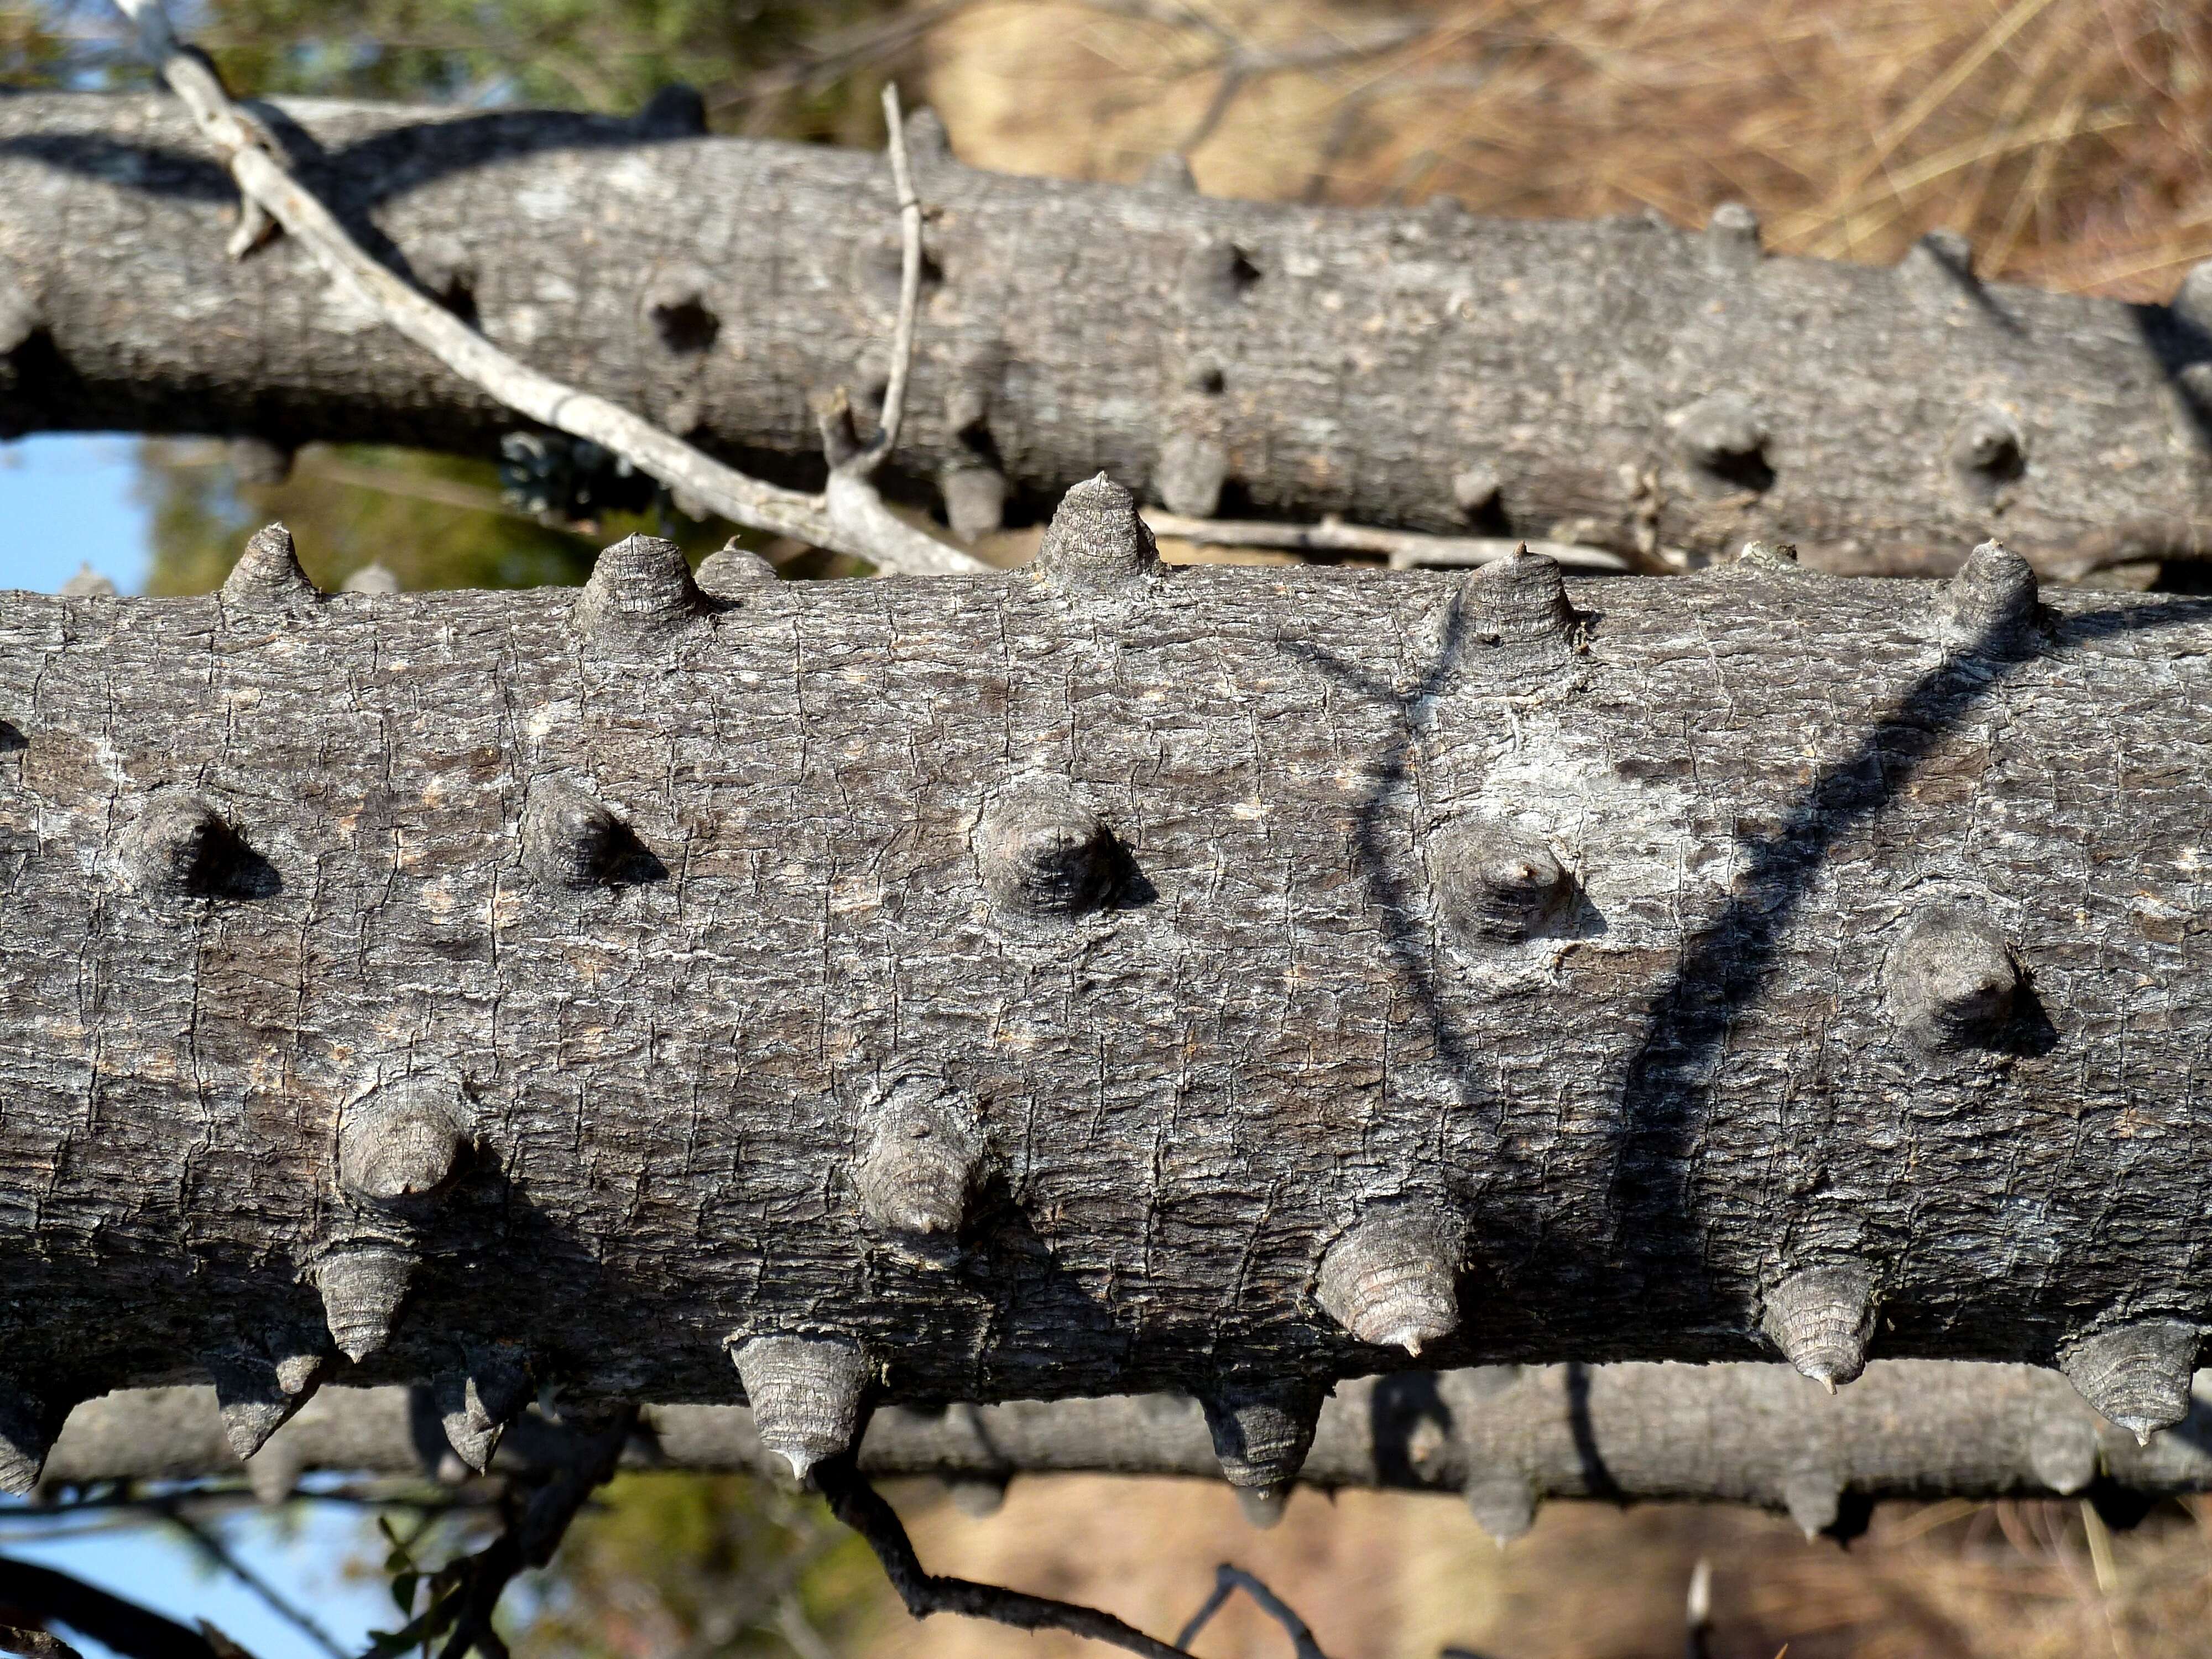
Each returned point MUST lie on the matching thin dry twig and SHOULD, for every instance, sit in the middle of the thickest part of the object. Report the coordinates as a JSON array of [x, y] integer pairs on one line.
[[1404, 549], [220, 1555], [1226, 1581], [849, 517], [909, 206], [853, 1501]]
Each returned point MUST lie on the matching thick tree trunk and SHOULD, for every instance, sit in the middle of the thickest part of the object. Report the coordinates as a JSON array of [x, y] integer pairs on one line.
[[1619, 383], [1752, 1434], [1095, 980]]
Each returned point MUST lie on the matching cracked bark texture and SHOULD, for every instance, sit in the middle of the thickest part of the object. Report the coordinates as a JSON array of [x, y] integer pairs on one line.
[[1740, 1433], [642, 1105], [1619, 383]]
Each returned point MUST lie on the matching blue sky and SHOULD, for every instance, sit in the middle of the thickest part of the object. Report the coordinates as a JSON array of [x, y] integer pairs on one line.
[[65, 500], [301, 1552]]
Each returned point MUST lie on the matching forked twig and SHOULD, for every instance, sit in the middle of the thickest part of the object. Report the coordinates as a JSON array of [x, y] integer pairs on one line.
[[849, 517], [859, 1506], [1228, 1579]]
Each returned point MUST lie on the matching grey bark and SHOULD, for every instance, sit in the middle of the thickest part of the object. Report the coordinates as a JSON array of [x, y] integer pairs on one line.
[[1618, 383], [1740, 1433], [1243, 972]]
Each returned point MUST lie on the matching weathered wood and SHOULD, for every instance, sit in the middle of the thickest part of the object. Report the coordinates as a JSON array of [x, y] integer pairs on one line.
[[1621, 383], [1622, 1433], [1616, 1103]]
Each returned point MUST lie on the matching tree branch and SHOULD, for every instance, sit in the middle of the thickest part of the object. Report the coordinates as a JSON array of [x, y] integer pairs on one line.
[[850, 520], [1404, 549], [1908, 1429], [1138, 320], [577, 975], [909, 298], [220, 1555], [129, 1629]]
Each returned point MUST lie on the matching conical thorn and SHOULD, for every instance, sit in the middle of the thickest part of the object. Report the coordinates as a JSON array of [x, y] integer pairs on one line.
[[258, 1394], [267, 573], [1096, 542], [807, 1395], [363, 1287], [640, 596], [1262, 1431], [27, 1427], [2136, 1376], [1392, 1279], [1821, 1318], [921, 1162]]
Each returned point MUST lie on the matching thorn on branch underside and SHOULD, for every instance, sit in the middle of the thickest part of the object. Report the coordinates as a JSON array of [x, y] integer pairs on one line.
[[28, 1424], [2063, 1451], [259, 1386], [807, 1395], [1392, 1279], [1502, 1503], [1821, 1318], [363, 1286], [1262, 1433], [477, 1401], [2136, 1376], [1814, 1498]]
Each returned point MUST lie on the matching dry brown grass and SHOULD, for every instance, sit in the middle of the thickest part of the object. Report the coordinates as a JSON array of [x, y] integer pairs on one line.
[[2072, 139], [1397, 1576]]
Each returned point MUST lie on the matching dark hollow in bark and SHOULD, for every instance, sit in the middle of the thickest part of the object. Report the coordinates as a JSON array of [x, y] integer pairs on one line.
[[1621, 382], [1630, 1129]]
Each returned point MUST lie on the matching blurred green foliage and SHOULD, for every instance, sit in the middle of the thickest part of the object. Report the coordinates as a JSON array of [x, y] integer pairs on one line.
[[705, 1565], [431, 520]]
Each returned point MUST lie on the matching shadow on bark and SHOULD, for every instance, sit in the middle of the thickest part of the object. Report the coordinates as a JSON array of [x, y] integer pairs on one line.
[[1725, 968], [1656, 1247]]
